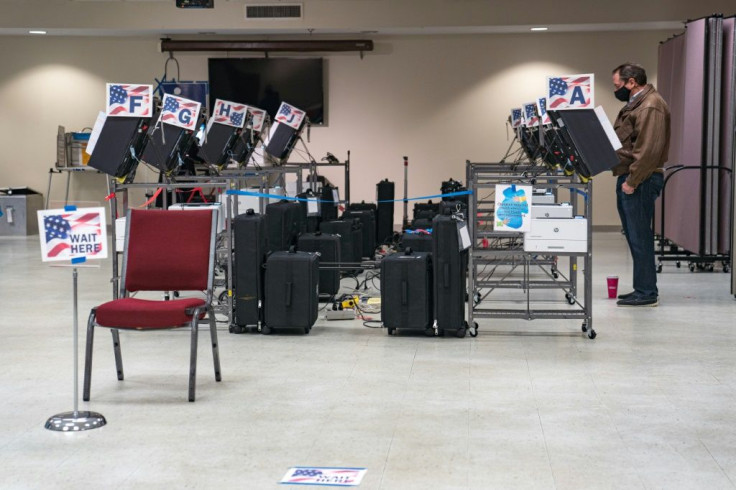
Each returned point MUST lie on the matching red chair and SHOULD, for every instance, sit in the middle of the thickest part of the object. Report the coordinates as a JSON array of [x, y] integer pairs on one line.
[[164, 251]]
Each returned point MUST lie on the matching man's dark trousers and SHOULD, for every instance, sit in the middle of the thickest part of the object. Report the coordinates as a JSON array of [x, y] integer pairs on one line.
[[637, 211]]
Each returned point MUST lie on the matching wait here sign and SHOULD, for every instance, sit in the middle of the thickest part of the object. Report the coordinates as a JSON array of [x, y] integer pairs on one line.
[[72, 234]]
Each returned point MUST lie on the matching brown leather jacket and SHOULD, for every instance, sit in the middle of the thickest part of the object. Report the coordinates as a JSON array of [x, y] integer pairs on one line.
[[643, 126]]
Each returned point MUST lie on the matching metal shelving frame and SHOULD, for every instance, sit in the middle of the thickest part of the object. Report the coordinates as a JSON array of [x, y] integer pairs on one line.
[[491, 250], [231, 180]]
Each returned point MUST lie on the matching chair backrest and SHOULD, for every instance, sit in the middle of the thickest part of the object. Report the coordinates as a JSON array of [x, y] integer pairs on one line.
[[169, 250]]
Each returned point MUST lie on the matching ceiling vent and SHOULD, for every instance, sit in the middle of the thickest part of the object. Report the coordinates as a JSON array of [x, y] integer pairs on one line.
[[273, 11]]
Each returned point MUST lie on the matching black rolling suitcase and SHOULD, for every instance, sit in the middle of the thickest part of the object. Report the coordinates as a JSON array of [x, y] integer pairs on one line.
[[311, 221], [250, 249], [328, 204], [406, 291], [367, 218], [449, 277], [292, 290], [351, 239], [384, 212], [328, 248], [284, 220], [419, 242]]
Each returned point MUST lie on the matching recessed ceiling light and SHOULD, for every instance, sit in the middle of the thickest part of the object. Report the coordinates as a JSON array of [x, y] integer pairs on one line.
[[36, 32], [539, 28]]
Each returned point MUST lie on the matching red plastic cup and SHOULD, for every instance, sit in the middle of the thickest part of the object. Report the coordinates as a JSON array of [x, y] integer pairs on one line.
[[612, 286]]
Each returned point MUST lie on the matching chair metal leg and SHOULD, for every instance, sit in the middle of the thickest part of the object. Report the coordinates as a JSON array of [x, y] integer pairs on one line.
[[193, 355], [215, 345], [88, 355], [118, 354]]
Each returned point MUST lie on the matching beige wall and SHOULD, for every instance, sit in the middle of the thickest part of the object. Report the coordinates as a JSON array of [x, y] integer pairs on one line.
[[438, 99]]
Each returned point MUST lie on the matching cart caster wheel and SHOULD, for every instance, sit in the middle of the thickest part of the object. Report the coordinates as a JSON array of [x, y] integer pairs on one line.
[[555, 275], [709, 267], [307, 330], [726, 269], [429, 332], [584, 328], [222, 298], [236, 329], [476, 298], [691, 266], [678, 264], [460, 332], [591, 334], [265, 330], [570, 298], [659, 268], [474, 330], [391, 331], [440, 333]]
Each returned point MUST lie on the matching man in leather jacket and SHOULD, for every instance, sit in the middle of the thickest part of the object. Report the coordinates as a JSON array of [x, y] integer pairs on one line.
[[643, 126]]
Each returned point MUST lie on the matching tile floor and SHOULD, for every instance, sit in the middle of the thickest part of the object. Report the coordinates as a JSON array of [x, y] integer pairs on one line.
[[650, 403]]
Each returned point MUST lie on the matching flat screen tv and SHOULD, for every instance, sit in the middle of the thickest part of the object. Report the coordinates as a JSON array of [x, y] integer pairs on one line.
[[266, 82]]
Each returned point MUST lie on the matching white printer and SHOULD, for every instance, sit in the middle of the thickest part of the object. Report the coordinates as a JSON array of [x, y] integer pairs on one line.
[[562, 210], [557, 235]]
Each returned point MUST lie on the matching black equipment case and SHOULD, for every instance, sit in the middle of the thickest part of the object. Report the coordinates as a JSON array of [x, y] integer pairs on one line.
[[292, 290], [426, 210], [406, 291], [449, 277], [385, 211], [284, 220], [450, 186], [419, 242], [250, 249], [351, 239], [454, 207], [311, 222], [327, 246], [367, 218], [328, 209]]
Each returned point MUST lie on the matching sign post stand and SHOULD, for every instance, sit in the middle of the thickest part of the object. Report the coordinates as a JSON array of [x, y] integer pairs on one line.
[[73, 236], [75, 420]]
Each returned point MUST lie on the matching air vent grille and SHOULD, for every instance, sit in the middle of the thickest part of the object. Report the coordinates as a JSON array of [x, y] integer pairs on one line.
[[273, 11]]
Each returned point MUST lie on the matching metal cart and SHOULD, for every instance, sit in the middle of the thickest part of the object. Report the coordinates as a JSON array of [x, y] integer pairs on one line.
[[499, 268]]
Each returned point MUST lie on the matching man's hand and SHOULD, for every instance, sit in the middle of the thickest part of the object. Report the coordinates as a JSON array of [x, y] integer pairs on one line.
[[627, 188]]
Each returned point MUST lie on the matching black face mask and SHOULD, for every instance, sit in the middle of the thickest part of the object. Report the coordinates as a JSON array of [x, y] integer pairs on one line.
[[622, 94]]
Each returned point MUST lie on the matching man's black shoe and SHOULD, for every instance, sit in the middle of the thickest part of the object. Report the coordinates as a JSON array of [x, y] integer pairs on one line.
[[627, 295], [638, 301]]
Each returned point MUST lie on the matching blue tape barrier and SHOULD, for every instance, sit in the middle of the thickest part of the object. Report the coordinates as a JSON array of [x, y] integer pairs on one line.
[[79, 260], [302, 199], [70, 208]]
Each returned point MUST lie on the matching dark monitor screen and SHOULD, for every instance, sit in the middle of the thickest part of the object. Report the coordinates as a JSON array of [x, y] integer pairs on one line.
[[265, 83], [589, 139]]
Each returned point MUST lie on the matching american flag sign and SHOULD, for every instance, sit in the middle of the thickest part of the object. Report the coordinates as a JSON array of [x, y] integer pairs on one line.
[[328, 477], [516, 117], [259, 116], [230, 113], [570, 92], [180, 112], [542, 110], [128, 100], [530, 115], [67, 235], [290, 115]]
